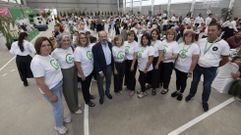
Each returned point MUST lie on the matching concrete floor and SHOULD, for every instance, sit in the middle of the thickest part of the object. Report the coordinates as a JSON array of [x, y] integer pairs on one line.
[[25, 112]]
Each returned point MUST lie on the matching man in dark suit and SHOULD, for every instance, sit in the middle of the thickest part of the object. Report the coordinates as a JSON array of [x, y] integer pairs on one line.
[[103, 63]]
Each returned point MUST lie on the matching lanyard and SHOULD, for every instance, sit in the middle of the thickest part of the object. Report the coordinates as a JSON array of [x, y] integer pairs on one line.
[[206, 49]]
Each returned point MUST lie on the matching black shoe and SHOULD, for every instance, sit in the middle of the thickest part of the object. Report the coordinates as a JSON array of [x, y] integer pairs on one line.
[[188, 98], [179, 97], [25, 83], [153, 92], [91, 104], [109, 96], [101, 101], [205, 107], [174, 94], [148, 86], [91, 96]]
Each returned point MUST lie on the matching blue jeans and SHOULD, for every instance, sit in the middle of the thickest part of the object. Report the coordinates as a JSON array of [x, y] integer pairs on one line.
[[209, 74], [57, 107]]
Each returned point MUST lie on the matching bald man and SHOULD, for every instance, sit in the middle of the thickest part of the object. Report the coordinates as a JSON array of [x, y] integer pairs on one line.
[[103, 63]]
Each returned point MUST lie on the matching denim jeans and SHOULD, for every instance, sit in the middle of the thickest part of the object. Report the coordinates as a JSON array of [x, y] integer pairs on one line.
[[209, 74], [57, 107]]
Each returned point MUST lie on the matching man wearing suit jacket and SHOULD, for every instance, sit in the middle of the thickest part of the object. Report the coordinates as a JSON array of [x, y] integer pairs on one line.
[[103, 63]]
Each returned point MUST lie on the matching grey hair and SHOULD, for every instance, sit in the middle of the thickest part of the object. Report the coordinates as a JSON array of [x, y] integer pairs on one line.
[[60, 39]]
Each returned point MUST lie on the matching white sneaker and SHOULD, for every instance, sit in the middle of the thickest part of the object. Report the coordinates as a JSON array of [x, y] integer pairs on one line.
[[78, 111], [63, 130], [67, 119]]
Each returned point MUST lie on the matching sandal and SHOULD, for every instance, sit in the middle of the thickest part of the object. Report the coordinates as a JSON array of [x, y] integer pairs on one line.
[[164, 91]]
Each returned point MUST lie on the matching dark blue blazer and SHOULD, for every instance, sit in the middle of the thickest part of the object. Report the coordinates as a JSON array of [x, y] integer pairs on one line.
[[99, 57]]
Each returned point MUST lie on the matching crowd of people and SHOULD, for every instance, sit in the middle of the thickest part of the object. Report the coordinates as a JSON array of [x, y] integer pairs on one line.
[[154, 46]]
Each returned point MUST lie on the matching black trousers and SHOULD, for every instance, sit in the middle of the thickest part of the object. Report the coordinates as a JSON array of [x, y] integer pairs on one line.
[[85, 85], [130, 76], [181, 80], [154, 78], [118, 79], [23, 65], [143, 79], [166, 72]]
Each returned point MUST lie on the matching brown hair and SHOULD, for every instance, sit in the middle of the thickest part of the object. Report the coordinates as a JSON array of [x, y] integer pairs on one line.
[[87, 43], [172, 31], [117, 38], [148, 38], [39, 42], [158, 33], [235, 58], [215, 23], [132, 32], [189, 32]]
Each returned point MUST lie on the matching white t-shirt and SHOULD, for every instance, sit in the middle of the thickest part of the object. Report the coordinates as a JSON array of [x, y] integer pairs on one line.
[[169, 48], [65, 57], [213, 55], [118, 53], [224, 79], [84, 55], [187, 20], [130, 49], [142, 54], [199, 20], [184, 60], [208, 20], [157, 46], [28, 48], [47, 67]]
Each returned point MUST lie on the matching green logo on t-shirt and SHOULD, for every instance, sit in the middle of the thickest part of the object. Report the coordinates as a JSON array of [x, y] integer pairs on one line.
[[165, 48], [69, 59], [89, 55], [120, 55], [140, 53], [54, 64], [127, 49], [183, 53], [153, 43]]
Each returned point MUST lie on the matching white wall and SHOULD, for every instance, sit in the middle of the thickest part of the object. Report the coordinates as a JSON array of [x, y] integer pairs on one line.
[[183, 8], [237, 9], [83, 5]]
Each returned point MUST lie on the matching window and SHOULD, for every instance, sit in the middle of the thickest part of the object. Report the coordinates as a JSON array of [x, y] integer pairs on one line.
[[136, 3], [13, 1]]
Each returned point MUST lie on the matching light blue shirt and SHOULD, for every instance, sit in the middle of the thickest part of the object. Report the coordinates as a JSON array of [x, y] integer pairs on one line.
[[107, 53]]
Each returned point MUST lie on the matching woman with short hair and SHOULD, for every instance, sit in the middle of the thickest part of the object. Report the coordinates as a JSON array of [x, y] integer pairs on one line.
[[131, 47], [145, 55], [83, 59], [170, 50], [49, 79], [64, 54], [186, 62]]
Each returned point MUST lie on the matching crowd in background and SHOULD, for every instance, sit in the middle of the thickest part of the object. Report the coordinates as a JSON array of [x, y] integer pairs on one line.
[[83, 49]]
